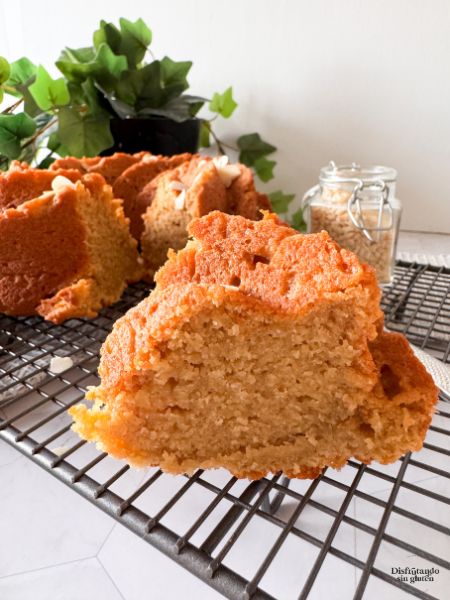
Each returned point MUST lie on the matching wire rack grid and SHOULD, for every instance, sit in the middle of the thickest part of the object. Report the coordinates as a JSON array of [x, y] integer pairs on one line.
[[348, 531]]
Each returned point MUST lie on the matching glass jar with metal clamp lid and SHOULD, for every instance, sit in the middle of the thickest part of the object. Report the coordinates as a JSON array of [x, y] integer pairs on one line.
[[358, 208]]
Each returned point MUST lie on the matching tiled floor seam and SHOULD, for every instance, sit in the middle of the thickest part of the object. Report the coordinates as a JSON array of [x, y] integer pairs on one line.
[[61, 564], [105, 570], [105, 540]]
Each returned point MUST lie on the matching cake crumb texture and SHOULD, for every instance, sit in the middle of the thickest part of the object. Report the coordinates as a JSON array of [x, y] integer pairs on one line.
[[260, 350]]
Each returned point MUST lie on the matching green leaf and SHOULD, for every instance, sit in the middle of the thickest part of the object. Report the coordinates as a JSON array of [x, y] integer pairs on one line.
[[264, 168], [108, 34], [22, 71], [83, 134], [14, 129], [204, 138], [252, 147], [92, 98], [174, 76], [53, 142], [55, 145], [179, 109], [109, 61], [280, 202], [196, 107], [105, 67], [80, 55], [5, 70], [223, 104], [132, 40], [1, 95], [49, 93], [136, 37], [117, 106], [142, 88], [75, 71], [30, 106], [297, 221]]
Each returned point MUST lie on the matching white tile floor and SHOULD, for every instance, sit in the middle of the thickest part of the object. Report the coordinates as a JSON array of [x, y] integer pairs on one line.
[[54, 545]]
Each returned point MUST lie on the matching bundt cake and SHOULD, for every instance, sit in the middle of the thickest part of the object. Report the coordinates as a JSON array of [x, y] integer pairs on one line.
[[192, 190], [132, 181], [66, 253], [110, 167], [260, 350]]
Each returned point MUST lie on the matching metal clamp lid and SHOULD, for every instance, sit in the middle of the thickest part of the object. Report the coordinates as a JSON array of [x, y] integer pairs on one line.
[[356, 215]]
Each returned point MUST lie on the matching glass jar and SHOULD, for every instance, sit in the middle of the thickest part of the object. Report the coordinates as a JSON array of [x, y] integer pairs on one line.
[[358, 208]]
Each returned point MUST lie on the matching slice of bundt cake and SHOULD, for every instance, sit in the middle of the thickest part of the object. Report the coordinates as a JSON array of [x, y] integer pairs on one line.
[[134, 179], [193, 190], [260, 350], [110, 167], [66, 253]]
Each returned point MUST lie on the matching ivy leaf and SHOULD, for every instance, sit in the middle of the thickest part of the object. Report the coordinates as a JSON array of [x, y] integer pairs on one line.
[[297, 221], [280, 202], [136, 37], [78, 55], [252, 147], [264, 168], [72, 68], [55, 145], [107, 33], [105, 66], [204, 137], [174, 76], [29, 106], [84, 134], [109, 67], [22, 71], [47, 92], [1, 95], [223, 104], [5, 70], [53, 142], [13, 129], [117, 106], [86, 97], [179, 109], [131, 40], [142, 87]]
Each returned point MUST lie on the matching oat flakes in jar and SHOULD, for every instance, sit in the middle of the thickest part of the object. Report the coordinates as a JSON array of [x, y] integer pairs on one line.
[[358, 208]]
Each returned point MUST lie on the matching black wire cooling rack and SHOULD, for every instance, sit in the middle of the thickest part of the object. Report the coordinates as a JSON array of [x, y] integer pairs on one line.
[[364, 531]]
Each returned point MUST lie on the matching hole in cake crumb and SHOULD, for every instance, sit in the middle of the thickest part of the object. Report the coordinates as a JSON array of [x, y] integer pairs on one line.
[[260, 259], [235, 281], [389, 381], [367, 429]]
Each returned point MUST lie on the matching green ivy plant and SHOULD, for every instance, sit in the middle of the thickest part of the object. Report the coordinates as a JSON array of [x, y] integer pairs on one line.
[[113, 78]]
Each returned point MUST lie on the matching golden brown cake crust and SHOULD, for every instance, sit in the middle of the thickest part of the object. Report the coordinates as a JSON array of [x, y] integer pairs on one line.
[[267, 260], [110, 167], [133, 180], [21, 183]]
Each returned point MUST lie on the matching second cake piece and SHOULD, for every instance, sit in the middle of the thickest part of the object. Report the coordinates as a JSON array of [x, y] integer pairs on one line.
[[192, 190]]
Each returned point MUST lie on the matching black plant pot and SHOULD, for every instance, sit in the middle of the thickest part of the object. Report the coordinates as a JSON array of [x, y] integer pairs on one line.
[[157, 135]]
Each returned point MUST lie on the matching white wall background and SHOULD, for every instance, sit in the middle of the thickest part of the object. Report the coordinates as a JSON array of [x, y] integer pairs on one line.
[[348, 80]]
